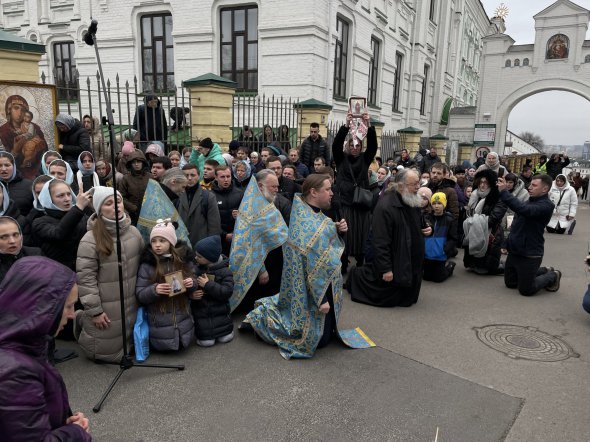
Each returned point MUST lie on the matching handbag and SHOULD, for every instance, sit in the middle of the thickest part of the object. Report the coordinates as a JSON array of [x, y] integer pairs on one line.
[[361, 198]]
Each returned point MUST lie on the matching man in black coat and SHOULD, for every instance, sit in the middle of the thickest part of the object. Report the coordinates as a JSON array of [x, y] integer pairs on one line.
[[394, 277], [73, 139], [429, 160], [150, 121], [229, 199], [405, 160], [526, 244], [440, 182], [314, 146], [556, 164]]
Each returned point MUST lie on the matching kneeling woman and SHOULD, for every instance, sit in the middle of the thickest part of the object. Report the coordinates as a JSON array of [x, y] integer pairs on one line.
[[481, 255], [98, 276]]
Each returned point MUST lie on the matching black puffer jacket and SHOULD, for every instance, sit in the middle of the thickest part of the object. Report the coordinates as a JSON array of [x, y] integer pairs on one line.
[[310, 150], [171, 323], [13, 212], [7, 260], [211, 312], [20, 191], [227, 200], [59, 234], [75, 141]]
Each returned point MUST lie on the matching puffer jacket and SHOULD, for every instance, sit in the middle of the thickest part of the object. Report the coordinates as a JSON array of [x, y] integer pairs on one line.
[[19, 190], [75, 141], [59, 233], [98, 280], [170, 321], [33, 396], [211, 312], [565, 200], [198, 159], [134, 184]]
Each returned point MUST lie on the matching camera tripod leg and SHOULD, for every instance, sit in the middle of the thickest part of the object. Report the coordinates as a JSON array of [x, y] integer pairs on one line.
[[98, 406]]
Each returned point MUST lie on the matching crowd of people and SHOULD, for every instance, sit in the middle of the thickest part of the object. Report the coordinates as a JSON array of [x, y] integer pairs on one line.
[[270, 230]]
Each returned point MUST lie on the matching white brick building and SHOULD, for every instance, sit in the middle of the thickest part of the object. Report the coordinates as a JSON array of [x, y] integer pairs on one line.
[[413, 59]]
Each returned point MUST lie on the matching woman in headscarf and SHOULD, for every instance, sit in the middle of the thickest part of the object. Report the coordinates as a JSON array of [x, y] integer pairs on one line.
[[36, 212], [61, 170], [493, 163], [8, 207], [352, 165], [46, 160], [62, 227], [565, 199], [242, 173], [86, 176], [485, 200], [37, 299], [18, 187], [98, 275], [73, 139], [153, 151], [382, 174]]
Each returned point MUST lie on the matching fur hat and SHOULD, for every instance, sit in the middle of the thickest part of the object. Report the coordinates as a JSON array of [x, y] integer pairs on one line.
[[128, 148], [164, 229], [439, 197], [99, 195], [209, 248]]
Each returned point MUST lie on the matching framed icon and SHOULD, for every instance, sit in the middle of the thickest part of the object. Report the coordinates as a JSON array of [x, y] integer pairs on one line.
[[357, 106], [176, 281]]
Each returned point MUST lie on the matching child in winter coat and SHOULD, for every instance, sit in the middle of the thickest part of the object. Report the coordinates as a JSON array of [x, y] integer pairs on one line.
[[170, 322], [210, 302], [442, 244]]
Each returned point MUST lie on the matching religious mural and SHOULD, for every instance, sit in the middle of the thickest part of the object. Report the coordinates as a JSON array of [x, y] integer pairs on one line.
[[557, 47]]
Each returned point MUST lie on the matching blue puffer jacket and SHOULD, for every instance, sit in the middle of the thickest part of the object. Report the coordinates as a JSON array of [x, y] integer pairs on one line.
[[442, 244], [526, 234]]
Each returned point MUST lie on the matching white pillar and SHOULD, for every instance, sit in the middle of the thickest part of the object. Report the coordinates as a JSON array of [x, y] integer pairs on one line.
[[76, 12], [44, 18]]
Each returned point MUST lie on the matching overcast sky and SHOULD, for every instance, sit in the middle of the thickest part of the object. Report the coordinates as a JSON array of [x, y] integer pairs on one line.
[[559, 117]]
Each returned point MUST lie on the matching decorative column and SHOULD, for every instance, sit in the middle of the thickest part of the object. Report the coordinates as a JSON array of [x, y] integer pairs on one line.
[[44, 18], [211, 101], [410, 139], [76, 11], [311, 111]]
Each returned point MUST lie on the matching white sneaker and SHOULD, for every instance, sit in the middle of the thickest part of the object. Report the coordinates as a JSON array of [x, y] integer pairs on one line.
[[225, 339], [206, 343]]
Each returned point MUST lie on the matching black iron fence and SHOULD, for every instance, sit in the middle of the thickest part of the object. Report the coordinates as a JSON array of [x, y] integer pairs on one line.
[[252, 114], [85, 97]]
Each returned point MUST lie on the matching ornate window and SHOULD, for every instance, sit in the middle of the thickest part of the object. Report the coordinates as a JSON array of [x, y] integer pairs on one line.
[[239, 46], [341, 58], [587, 59], [516, 62], [157, 53], [508, 64], [64, 65], [525, 62]]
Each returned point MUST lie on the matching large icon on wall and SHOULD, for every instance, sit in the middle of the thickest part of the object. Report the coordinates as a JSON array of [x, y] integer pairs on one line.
[[558, 47], [27, 129]]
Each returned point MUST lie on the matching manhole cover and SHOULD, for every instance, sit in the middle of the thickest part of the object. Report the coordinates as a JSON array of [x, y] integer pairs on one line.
[[520, 342]]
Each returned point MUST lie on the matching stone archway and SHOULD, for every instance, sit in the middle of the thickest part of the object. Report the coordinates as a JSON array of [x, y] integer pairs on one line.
[[512, 98]]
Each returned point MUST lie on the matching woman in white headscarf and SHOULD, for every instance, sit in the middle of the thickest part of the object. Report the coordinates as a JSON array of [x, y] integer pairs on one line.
[[493, 163]]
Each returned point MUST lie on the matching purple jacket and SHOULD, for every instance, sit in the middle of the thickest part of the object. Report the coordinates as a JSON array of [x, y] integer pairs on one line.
[[33, 399]]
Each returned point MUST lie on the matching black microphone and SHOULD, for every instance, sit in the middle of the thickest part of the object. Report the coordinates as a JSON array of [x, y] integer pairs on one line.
[[88, 38]]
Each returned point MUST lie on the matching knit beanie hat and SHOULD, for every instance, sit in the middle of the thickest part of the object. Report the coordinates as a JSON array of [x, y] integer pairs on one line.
[[209, 248], [128, 147], [439, 197], [99, 195], [164, 229]]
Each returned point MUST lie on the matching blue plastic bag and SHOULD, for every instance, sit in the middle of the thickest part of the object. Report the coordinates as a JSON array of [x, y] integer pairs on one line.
[[141, 335]]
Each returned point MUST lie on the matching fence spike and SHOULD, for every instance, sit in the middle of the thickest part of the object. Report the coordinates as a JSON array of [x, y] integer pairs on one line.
[[97, 76], [108, 83], [88, 81], [117, 78], [43, 76]]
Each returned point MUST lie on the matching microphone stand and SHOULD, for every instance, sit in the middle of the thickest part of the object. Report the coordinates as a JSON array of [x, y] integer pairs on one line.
[[126, 361]]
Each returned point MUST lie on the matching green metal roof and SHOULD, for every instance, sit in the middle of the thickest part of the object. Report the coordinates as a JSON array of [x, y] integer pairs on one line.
[[438, 137], [410, 130], [376, 122], [312, 103], [210, 78], [13, 42]]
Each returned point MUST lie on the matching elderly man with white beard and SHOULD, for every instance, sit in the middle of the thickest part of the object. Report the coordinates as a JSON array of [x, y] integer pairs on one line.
[[394, 277]]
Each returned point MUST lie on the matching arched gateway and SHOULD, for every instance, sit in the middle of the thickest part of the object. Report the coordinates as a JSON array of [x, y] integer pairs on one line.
[[559, 59]]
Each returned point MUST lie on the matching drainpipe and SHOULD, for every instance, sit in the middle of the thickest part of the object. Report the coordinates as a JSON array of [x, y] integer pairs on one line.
[[329, 53]]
